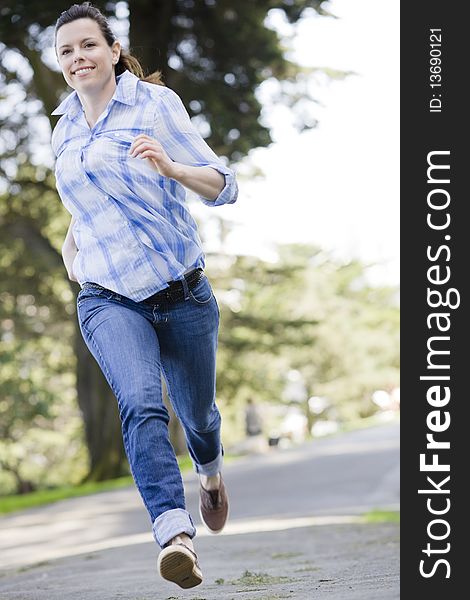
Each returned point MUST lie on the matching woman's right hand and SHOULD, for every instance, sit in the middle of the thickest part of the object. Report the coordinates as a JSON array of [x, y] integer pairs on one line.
[[68, 256], [69, 251], [71, 275]]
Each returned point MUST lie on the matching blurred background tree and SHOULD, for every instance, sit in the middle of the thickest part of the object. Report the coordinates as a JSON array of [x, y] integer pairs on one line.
[[308, 313], [215, 57]]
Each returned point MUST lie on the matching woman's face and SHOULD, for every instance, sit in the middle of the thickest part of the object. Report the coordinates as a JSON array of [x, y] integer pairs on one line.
[[86, 60]]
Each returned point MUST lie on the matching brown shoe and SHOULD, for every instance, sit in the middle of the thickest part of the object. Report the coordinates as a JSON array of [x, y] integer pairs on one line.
[[213, 507], [178, 563]]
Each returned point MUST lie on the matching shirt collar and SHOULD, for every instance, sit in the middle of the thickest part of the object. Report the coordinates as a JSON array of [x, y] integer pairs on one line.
[[125, 92]]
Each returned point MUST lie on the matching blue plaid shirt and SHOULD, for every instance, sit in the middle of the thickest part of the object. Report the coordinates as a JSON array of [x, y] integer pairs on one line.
[[133, 229]]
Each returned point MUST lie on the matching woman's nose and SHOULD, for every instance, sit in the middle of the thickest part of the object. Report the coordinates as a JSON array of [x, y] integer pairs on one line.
[[77, 55]]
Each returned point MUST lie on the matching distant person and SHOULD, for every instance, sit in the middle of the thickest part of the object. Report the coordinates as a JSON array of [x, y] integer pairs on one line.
[[126, 153], [253, 421]]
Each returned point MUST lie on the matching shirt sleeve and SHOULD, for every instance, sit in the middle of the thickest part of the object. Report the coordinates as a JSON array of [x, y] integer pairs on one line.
[[183, 143], [57, 138]]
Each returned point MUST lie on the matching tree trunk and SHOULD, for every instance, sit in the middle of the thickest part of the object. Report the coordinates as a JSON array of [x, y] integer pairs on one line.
[[149, 33], [95, 399], [100, 416]]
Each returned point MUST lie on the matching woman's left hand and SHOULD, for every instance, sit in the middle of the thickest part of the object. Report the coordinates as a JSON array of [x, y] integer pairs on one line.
[[145, 146]]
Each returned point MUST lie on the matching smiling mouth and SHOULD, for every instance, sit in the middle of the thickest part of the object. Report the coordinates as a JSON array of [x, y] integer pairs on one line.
[[83, 70]]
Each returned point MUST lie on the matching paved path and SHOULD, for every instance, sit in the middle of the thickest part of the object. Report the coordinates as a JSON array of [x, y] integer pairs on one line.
[[293, 533]]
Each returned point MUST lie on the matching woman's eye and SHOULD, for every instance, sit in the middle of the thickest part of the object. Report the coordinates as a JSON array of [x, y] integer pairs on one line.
[[87, 45]]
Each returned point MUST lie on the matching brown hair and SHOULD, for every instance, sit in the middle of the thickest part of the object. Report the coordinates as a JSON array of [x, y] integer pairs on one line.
[[126, 61]]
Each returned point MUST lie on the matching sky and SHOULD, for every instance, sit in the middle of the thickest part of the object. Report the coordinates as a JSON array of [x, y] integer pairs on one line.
[[337, 185]]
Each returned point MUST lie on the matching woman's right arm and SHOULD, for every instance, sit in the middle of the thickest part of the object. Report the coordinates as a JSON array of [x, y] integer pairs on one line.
[[69, 251]]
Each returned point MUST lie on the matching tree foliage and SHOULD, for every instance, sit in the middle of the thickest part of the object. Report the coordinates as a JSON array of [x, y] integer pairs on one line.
[[310, 313]]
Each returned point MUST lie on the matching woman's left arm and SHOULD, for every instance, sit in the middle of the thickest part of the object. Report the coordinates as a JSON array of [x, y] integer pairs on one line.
[[178, 150]]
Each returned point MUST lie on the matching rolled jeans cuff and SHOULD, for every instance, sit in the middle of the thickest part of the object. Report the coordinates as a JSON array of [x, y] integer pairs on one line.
[[211, 468], [172, 523]]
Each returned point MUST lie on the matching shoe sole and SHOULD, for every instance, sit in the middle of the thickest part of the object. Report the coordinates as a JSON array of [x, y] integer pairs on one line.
[[178, 565], [213, 531]]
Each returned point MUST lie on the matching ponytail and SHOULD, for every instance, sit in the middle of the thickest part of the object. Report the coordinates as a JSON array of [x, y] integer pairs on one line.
[[130, 63]]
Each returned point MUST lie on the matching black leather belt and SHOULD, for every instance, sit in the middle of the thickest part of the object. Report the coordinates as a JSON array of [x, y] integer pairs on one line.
[[173, 293], [175, 290]]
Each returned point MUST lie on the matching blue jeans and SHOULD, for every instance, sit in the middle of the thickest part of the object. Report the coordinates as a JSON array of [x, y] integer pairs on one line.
[[135, 343]]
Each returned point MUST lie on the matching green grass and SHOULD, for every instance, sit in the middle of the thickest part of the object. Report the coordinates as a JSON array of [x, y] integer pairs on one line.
[[382, 516], [14, 503], [23, 501]]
